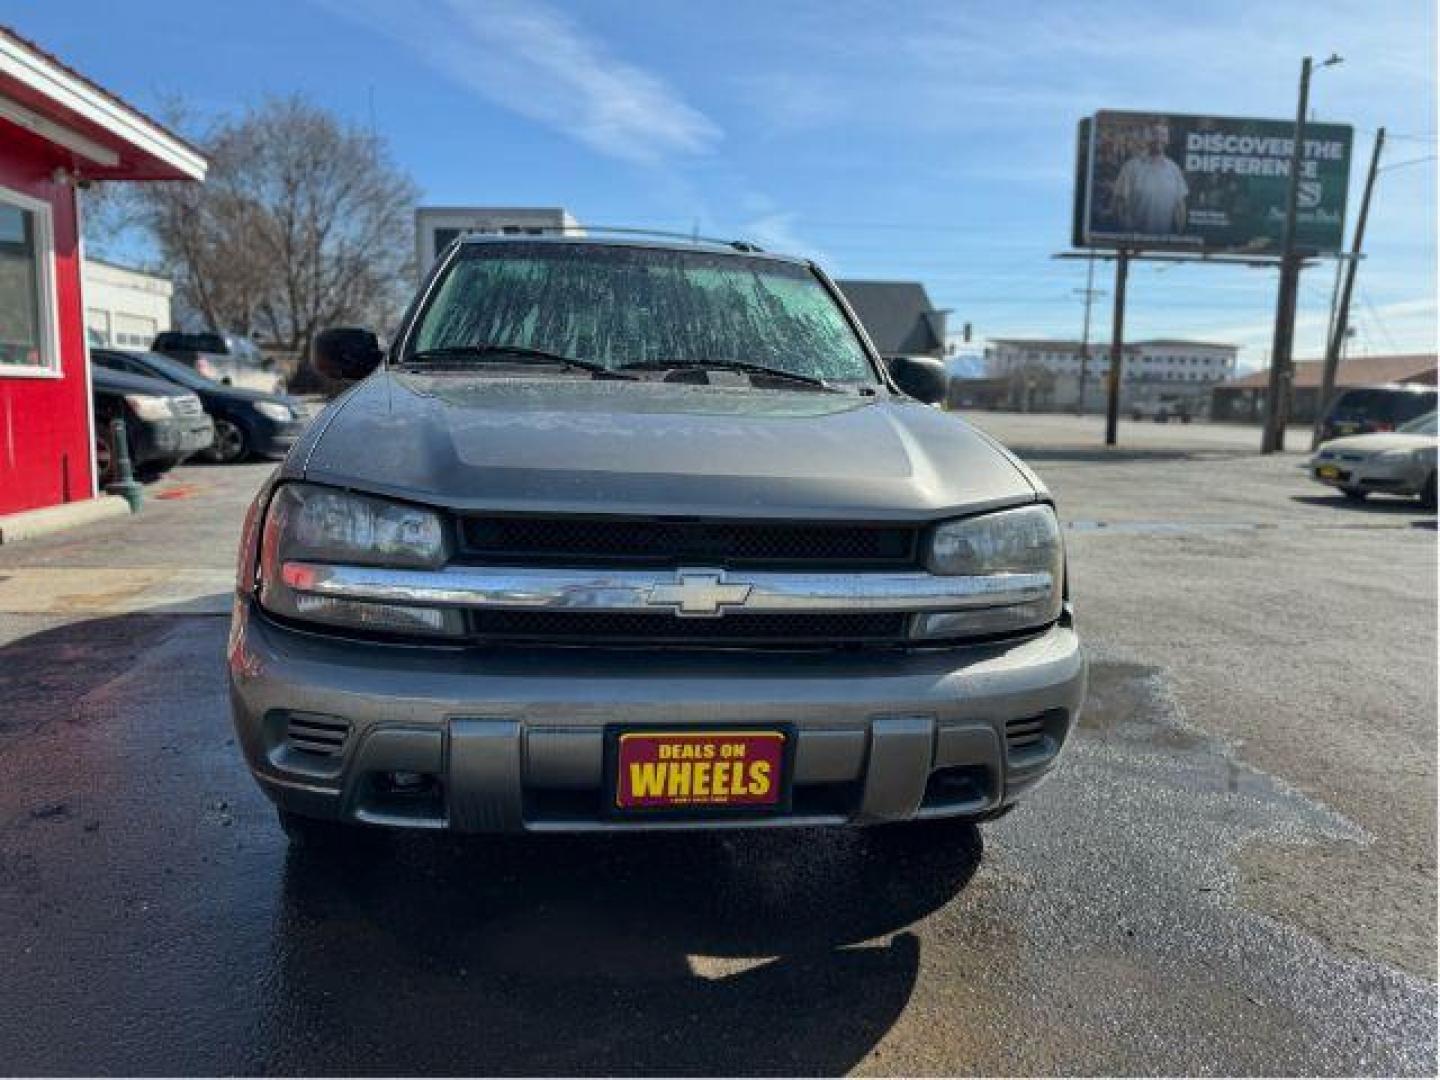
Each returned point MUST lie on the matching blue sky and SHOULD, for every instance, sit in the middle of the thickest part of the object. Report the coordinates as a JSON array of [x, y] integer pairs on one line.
[[926, 140]]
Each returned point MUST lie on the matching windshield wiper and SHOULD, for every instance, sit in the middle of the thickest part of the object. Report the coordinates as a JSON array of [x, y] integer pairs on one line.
[[449, 357], [736, 365]]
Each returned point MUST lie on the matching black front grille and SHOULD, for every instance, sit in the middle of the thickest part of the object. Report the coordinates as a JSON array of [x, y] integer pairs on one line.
[[594, 628], [579, 541]]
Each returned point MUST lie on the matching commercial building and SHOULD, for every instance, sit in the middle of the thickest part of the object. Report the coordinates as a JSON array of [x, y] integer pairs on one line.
[[57, 129], [124, 308], [436, 226], [1244, 399], [1045, 374], [898, 316]]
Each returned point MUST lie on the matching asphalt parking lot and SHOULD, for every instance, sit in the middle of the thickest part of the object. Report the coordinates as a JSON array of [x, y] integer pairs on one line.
[[1233, 872]]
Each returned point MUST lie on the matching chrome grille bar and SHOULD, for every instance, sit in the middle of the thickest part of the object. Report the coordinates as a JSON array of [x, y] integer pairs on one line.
[[684, 592]]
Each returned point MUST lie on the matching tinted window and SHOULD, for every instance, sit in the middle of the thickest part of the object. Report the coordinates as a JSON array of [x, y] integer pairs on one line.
[[1382, 405], [618, 305], [162, 367]]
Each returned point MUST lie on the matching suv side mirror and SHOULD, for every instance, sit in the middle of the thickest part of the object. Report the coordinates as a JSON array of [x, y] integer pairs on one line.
[[347, 353], [919, 377]]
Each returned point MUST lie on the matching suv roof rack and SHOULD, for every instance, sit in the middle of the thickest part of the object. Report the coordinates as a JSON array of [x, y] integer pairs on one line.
[[745, 246]]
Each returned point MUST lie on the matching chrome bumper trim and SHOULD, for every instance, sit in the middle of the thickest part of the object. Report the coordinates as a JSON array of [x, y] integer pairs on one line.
[[660, 591]]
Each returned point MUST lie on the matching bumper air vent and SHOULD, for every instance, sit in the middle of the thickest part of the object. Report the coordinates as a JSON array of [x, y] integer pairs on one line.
[[316, 735]]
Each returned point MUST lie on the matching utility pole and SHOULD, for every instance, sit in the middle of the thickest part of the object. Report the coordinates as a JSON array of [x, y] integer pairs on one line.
[[1117, 347], [1340, 325], [1277, 397], [1090, 293]]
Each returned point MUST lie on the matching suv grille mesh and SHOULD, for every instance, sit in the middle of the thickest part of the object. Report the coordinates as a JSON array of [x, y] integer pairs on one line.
[[740, 629], [668, 543]]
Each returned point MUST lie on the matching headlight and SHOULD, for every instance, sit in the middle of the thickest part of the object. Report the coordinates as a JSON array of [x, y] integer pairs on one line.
[[1023, 545], [149, 407], [308, 523], [273, 410]]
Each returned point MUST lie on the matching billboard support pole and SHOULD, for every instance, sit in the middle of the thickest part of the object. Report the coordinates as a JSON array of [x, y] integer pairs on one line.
[[1277, 398], [1117, 347], [1341, 323]]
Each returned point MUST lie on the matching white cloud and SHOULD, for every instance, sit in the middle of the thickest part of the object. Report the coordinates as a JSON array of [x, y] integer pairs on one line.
[[540, 64]]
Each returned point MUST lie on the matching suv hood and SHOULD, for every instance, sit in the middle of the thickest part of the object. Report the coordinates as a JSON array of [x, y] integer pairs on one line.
[[567, 445]]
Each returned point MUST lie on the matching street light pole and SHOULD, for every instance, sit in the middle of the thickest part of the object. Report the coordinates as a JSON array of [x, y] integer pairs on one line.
[[1277, 396]]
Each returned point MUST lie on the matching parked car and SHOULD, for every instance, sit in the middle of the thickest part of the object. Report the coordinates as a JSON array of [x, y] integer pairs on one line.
[[1401, 462], [164, 423], [246, 421], [1163, 410], [1363, 409], [229, 359], [628, 535]]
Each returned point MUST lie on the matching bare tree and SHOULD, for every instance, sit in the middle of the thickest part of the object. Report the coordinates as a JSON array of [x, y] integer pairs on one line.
[[303, 222]]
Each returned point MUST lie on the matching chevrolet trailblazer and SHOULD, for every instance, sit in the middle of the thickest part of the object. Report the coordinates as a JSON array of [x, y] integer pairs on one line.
[[639, 534]]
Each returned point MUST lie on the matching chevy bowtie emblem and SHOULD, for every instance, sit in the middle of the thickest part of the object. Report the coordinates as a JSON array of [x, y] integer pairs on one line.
[[703, 593]]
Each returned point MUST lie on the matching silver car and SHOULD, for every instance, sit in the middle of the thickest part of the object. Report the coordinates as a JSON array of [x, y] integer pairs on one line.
[[1400, 462], [624, 535]]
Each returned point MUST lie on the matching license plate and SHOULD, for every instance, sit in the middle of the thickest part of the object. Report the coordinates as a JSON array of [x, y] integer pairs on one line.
[[1328, 472], [699, 771]]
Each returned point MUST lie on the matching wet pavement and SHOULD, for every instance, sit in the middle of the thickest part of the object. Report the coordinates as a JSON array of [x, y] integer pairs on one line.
[[1123, 920]]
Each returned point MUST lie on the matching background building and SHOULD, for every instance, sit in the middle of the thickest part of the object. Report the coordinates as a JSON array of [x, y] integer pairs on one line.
[[1044, 373], [436, 226], [57, 129], [1244, 399], [898, 316], [124, 308]]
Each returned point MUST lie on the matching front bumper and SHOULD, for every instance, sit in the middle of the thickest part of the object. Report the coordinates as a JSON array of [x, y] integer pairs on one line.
[[513, 740], [1371, 475], [169, 442]]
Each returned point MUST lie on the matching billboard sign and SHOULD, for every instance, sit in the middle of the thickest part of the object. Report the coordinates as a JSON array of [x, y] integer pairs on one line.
[[1163, 181]]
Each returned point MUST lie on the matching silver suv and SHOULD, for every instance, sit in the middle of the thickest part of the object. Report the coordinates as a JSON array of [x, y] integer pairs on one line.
[[624, 535]]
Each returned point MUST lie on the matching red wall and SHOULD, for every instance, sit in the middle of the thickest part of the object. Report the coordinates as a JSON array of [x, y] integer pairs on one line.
[[45, 451]]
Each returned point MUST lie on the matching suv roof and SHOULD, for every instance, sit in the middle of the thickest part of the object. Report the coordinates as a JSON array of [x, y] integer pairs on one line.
[[664, 242]]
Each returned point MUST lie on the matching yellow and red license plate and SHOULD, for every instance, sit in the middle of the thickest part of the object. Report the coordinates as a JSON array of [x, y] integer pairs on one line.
[[1328, 472], [741, 769]]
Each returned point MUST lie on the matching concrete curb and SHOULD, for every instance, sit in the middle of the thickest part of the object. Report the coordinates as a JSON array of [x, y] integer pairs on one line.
[[53, 519]]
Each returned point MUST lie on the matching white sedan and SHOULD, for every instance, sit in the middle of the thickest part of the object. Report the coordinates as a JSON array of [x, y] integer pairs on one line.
[[1400, 462]]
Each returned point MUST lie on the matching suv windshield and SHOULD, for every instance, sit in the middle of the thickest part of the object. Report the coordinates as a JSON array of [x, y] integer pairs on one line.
[[641, 306], [1383, 405], [1421, 425]]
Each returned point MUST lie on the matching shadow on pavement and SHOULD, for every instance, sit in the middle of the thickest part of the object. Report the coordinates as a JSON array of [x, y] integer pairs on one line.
[[1383, 505], [701, 954]]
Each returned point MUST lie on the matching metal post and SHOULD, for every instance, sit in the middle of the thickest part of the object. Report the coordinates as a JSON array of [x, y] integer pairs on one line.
[[1117, 347], [124, 483], [1340, 325], [1277, 402]]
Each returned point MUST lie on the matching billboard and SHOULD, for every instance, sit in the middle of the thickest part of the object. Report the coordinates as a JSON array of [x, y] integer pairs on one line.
[[1163, 181]]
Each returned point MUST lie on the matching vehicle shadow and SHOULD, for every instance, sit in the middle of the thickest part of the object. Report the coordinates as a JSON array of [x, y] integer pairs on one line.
[[1381, 506], [707, 953]]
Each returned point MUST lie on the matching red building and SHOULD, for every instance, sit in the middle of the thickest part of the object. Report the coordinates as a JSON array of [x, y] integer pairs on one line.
[[57, 130]]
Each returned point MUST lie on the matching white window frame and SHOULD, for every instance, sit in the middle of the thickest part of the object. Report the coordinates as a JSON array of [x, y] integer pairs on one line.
[[49, 314]]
